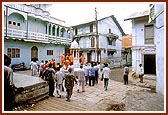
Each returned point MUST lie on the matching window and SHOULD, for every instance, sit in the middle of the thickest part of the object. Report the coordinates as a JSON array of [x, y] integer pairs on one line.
[[110, 40], [76, 31], [13, 52], [92, 42], [91, 28], [9, 22], [53, 31], [14, 23], [149, 34], [109, 30], [18, 24], [104, 51], [49, 52], [58, 31]]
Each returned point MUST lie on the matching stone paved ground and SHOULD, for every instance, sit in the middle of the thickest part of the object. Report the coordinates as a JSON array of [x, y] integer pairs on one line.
[[119, 97]]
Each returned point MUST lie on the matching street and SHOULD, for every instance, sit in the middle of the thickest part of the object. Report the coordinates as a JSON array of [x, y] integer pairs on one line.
[[118, 97]]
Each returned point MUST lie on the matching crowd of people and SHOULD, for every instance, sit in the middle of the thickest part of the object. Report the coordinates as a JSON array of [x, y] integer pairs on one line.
[[62, 76]]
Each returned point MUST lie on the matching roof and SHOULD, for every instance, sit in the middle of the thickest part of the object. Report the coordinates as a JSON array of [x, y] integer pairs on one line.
[[137, 15], [114, 19]]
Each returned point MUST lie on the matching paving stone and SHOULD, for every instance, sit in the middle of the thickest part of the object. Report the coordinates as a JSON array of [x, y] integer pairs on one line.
[[119, 97]]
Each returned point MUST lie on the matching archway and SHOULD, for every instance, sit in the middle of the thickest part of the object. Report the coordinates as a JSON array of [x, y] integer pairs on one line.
[[34, 52]]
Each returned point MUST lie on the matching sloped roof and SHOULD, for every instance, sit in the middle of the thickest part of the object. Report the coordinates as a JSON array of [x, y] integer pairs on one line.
[[137, 15], [112, 16]]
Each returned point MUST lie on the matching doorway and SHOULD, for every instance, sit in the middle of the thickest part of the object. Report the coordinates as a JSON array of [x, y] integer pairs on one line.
[[150, 64], [34, 52], [88, 57]]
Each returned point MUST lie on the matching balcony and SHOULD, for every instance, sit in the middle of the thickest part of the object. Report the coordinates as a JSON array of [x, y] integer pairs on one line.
[[36, 37], [111, 47]]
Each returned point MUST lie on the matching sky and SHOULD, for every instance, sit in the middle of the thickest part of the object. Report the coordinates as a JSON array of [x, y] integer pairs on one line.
[[74, 13]]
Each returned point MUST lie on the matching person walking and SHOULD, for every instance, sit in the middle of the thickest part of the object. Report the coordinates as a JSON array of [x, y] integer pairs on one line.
[[69, 83], [34, 67], [41, 68], [50, 77], [126, 73], [92, 75], [86, 73], [96, 73], [81, 79], [141, 73], [106, 74], [59, 77]]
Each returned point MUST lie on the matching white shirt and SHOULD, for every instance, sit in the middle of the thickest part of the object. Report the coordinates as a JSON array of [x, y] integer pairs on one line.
[[81, 74], [86, 70], [59, 77], [141, 70], [106, 72]]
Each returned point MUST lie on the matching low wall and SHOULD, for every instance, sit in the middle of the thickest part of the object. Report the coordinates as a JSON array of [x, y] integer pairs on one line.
[[33, 88]]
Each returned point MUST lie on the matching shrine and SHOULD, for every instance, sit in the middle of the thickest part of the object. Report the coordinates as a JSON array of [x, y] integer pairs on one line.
[[74, 50]]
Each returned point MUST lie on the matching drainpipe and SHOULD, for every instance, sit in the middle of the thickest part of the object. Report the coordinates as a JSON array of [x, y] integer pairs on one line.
[[6, 20], [27, 25]]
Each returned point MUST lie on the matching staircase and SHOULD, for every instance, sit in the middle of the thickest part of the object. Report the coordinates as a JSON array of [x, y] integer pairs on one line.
[[50, 104]]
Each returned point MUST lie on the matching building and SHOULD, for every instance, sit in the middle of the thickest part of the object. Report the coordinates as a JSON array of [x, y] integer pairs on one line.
[[148, 45], [100, 40], [30, 32], [143, 42], [127, 49], [157, 17]]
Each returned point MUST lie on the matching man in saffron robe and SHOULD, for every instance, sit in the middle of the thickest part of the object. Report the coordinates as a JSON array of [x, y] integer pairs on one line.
[[82, 58]]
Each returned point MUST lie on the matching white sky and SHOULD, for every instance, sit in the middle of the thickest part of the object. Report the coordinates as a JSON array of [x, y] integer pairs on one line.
[[80, 12]]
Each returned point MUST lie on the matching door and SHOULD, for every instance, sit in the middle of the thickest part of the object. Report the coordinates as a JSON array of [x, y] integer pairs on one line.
[[88, 57]]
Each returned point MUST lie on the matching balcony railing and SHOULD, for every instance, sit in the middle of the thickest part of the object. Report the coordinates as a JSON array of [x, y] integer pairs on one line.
[[14, 33], [111, 47]]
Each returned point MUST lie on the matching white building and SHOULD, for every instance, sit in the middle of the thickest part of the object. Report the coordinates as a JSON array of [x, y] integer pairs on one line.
[[30, 32], [148, 43], [143, 43], [108, 34], [157, 16]]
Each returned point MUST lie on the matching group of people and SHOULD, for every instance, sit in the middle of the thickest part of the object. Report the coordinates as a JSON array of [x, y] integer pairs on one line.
[[126, 73], [59, 77], [69, 58]]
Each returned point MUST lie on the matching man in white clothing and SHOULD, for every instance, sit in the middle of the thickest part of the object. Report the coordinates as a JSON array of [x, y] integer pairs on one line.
[[81, 79], [86, 73], [59, 77], [34, 68], [106, 74], [141, 73]]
